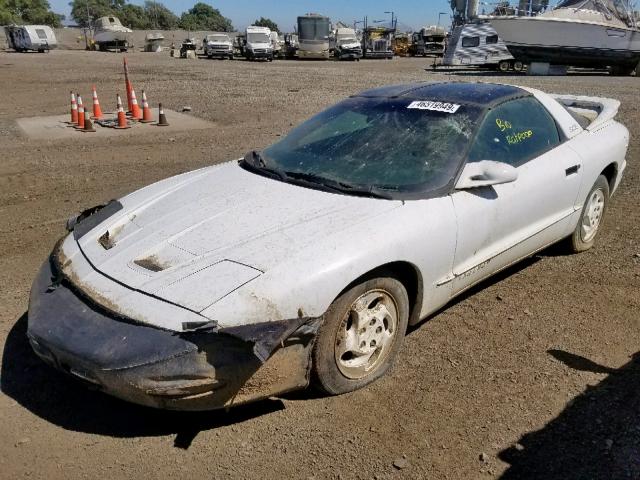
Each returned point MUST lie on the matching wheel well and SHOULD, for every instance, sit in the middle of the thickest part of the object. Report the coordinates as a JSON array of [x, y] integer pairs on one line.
[[611, 173], [407, 274]]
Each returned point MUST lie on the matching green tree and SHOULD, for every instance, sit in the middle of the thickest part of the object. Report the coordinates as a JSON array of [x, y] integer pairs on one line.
[[96, 9], [160, 16], [134, 16], [267, 22], [204, 17], [28, 11]]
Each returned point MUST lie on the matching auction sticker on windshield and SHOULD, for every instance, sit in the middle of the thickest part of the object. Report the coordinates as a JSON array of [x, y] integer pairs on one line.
[[434, 106]]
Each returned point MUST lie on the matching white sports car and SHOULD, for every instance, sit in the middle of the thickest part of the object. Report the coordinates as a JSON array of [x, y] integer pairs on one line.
[[307, 261]]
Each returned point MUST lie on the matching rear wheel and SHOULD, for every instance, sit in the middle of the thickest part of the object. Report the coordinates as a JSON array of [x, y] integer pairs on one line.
[[591, 216], [361, 335], [518, 66], [504, 66]]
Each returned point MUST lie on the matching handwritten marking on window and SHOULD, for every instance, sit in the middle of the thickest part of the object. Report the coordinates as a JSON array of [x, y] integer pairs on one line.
[[519, 137], [503, 124]]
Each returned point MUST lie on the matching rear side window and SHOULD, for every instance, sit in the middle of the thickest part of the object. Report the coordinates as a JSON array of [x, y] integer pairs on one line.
[[515, 132], [42, 35], [470, 41], [492, 39]]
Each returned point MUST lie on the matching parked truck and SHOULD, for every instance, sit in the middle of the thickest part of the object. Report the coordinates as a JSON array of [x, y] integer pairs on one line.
[[218, 45], [429, 41], [377, 42], [313, 36], [258, 43], [345, 45], [23, 38]]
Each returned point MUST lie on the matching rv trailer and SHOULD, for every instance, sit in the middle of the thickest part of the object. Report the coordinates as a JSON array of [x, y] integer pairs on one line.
[[23, 38], [478, 45]]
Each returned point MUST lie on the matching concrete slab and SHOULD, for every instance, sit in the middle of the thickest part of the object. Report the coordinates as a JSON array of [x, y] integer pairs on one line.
[[56, 128]]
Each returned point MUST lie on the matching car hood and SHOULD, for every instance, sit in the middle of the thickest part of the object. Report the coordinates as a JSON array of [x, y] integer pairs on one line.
[[226, 221], [350, 45]]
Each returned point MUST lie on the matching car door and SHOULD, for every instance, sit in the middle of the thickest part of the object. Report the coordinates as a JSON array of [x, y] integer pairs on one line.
[[500, 224]]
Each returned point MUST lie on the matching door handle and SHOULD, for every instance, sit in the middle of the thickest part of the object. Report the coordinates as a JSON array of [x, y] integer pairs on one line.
[[572, 170]]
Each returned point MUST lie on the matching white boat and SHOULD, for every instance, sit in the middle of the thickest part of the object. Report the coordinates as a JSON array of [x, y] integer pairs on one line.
[[110, 33], [580, 33]]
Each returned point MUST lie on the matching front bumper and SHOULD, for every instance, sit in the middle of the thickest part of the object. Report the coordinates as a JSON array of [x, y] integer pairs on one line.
[[199, 370], [378, 55], [260, 54], [350, 54], [219, 53]]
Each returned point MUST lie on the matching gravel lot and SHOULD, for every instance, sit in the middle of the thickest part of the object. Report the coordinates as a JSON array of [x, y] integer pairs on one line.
[[530, 375]]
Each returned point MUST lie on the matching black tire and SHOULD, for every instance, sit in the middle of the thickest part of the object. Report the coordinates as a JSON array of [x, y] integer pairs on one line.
[[577, 241], [328, 375], [504, 66]]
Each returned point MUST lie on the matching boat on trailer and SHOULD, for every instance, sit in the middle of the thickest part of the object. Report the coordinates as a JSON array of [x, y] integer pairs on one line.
[[577, 33]]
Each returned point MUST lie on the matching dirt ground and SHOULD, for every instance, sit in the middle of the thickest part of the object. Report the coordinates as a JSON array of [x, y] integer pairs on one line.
[[534, 374]]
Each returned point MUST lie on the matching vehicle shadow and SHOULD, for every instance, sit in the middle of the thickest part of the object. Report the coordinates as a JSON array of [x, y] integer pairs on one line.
[[69, 404], [596, 436]]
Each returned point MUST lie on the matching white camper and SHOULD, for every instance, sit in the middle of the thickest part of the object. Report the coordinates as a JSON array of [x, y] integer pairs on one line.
[[477, 44], [23, 38]]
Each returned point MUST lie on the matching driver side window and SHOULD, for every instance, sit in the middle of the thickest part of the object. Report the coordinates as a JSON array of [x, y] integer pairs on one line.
[[514, 133]]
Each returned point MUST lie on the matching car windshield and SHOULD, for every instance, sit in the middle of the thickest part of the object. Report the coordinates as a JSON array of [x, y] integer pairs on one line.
[[258, 38], [392, 144]]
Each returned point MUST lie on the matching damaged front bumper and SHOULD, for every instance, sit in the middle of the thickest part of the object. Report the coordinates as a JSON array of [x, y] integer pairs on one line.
[[197, 370]]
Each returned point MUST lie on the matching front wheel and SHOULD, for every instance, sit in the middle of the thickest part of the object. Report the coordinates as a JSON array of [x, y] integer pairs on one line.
[[591, 216], [361, 334]]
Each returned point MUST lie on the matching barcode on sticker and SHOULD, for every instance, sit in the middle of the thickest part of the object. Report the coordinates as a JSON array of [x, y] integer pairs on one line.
[[435, 106]]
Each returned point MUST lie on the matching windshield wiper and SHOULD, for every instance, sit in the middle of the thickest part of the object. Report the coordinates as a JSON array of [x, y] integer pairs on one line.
[[342, 187], [256, 161]]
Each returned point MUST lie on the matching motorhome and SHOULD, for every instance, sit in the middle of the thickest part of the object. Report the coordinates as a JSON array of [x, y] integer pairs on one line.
[[313, 36], [258, 43], [345, 45], [23, 38]]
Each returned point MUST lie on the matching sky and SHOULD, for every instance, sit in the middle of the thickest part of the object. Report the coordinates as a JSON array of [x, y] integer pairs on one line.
[[414, 13]]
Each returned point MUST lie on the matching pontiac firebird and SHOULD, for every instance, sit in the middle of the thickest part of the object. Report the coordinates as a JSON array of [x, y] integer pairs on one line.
[[305, 262]]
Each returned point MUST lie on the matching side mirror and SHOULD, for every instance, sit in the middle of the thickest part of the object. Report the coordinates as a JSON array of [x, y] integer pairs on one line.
[[485, 173]]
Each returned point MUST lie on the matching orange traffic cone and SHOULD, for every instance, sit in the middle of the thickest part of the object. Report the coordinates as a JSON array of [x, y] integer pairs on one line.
[[80, 113], [97, 111], [122, 118], [162, 118], [74, 110], [147, 116], [127, 85], [88, 125], [136, 113]]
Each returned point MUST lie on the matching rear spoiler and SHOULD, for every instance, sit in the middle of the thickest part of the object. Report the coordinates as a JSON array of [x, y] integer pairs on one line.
[[605, 108]]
